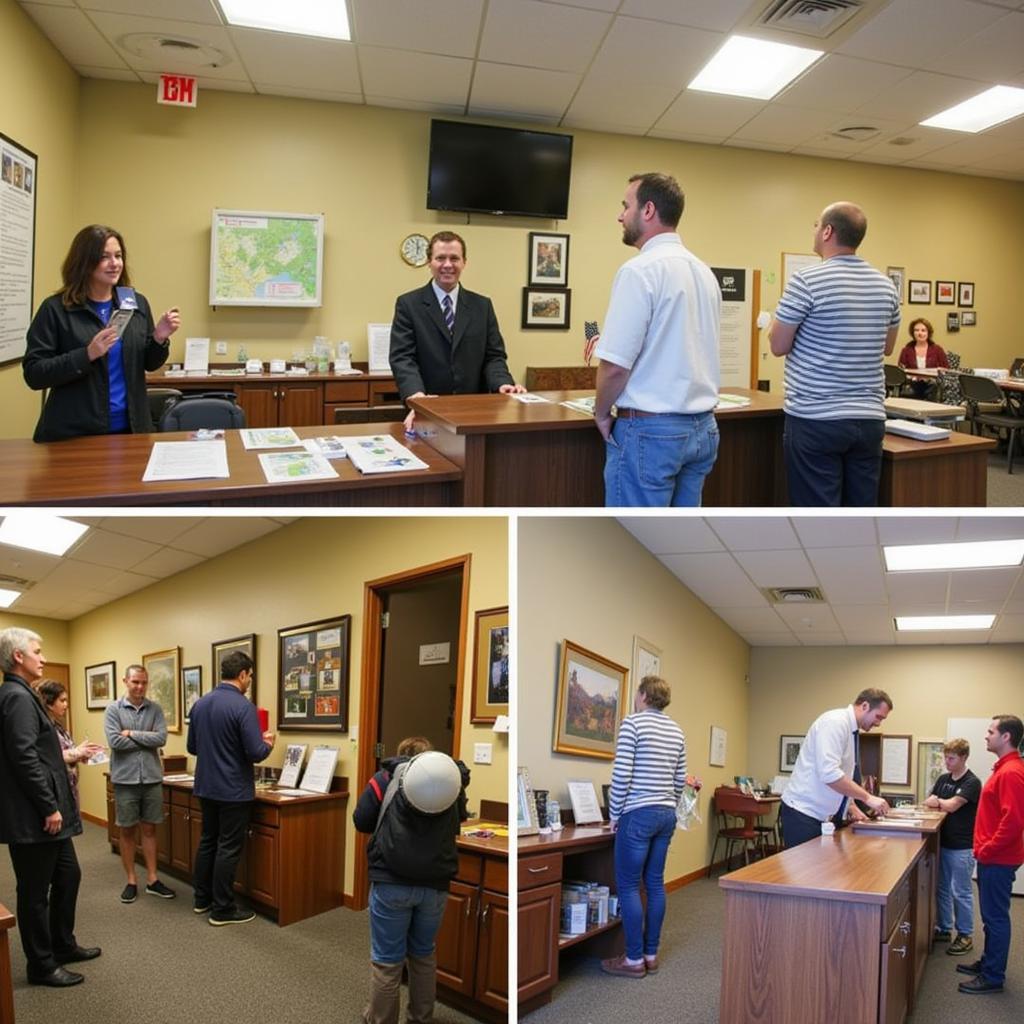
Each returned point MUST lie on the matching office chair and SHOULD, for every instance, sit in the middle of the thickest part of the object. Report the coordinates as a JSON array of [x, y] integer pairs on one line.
[[980, 390], [158, 401], [895, 379], [212, 411]]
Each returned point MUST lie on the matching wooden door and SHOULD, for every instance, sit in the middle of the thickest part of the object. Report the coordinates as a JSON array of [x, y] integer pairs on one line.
[[492, 957], [181, 839], [897, 955], [538, 919], [261, 854], [300, 405], [456, 939], [163, 831], [259, 403]]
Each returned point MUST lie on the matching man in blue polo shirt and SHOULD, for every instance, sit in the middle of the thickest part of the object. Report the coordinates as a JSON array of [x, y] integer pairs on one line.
[[224, 734]]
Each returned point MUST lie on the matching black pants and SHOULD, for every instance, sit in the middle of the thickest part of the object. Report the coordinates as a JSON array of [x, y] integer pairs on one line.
[[833, 462], [220, 847], [48, 877], [797, 827]]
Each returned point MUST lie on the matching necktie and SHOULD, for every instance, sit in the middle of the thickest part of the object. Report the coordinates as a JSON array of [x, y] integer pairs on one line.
[[449, 314], [841, 813]]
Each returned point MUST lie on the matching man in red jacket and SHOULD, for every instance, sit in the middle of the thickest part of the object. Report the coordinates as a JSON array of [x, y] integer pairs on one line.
[[999, 851]]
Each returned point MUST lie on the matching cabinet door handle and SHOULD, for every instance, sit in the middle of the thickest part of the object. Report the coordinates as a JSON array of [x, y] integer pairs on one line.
[[539, 871], [905, 927], [483, 916], [902, 950], [469, 906]]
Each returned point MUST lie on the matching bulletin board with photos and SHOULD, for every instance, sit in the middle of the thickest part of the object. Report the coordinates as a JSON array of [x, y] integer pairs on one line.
[[313, 675]]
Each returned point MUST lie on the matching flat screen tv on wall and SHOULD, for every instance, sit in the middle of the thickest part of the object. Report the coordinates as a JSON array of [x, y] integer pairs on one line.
[[478, 168]]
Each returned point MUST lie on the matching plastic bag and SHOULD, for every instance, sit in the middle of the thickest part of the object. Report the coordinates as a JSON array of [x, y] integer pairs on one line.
[[688, 808]]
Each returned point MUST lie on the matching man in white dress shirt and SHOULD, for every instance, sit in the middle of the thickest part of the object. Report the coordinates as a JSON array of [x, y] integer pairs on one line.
[[826, 779]]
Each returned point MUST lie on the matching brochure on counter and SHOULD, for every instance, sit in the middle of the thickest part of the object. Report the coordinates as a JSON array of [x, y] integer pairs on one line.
[[380, 454], [292, 467], [270, 437]]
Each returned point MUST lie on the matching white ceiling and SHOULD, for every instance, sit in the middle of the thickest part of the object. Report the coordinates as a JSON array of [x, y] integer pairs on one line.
[[120, 555], [606, 65], [727, 560]]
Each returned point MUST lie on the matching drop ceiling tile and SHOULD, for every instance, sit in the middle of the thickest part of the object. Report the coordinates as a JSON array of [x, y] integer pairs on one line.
[[917, 587], [822, 640], [753, 620], [967, 636], [539, 35], [220, 84], [108, 74], [925, 141], [991, 55], [298, 62], [849, 575], [199, 11], [854, 618], [903, 529], [1010, 165], [448, 27], [769, 147], [78, 40], [805, 619], [401, 75], [101, 548], [834, 531], [71, 577], [770, 640], [784, 125], [1015, 602], [125, 583], [717, 15], [325, 95], [777, 568], [1009, 629], [982, 584], [682, 135], [870, 637], [25, 564], [707, 114], [920, 607], [918, 97], [167, 562], [428, 106], [841, 84], [972, 148], [526, 91], [215, 535], [755, 533], [540, 120], [715, 578], [618, 105], [675, 535]]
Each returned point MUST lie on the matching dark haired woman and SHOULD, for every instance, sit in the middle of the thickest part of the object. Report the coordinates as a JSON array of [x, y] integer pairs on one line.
[[922, 353], [54, 696], [96, 373]]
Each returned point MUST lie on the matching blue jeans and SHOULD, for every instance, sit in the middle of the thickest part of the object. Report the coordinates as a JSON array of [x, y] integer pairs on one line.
[[641, 846], [833, 462], [404, 921], [659, 461], [995, 884], [955, 890]]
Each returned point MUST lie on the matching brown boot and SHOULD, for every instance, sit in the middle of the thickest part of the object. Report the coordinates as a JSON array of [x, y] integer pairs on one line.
[[385, 985], [422, 989]]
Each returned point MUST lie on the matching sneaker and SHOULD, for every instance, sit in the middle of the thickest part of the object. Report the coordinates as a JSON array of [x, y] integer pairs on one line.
[[129, 892], [961, 945], [974, 968], [158, 888], [235, 916], [980, 984], [200, 907], [941, 935]]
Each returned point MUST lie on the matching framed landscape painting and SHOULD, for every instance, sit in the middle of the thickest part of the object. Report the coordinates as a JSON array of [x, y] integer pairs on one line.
[[165, 684], [591, 699]]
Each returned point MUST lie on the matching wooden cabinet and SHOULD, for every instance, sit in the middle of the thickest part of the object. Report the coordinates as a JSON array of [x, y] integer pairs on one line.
[[281, 403]]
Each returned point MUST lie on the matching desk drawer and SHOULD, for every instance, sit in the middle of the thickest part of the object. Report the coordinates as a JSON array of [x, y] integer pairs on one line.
[[897, 905], [180, 797], [346, 391], [496, 874], [471, 868], [266, 814], [540, 870]]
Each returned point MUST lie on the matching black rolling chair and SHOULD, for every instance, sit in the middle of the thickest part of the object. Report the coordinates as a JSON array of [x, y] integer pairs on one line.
[[218, 411], [895, 380], [980, 390], [158, 401]]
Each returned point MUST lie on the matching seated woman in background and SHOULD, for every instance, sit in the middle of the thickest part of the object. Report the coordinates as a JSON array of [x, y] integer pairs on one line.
[[922, 353], [95, 369]]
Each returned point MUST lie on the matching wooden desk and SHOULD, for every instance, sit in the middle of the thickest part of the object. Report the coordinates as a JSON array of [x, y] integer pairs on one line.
[[107, 470], [934, 473], [274, 870], [826, 931], [472, 944], [580, 852], [6, 981]]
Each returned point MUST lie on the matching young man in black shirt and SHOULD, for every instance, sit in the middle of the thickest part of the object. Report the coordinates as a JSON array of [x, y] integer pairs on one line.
[[957, 793]]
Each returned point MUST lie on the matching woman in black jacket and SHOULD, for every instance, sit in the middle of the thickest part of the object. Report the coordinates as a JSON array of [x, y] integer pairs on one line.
[[95, 370]]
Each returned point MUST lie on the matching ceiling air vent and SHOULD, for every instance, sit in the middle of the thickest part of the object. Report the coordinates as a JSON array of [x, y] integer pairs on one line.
[[794, 595], [176, 51], [856, 133], [902, 140], [817, 18]]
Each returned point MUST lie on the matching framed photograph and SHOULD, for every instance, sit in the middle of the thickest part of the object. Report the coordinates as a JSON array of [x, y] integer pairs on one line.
[[526, 808], [191, 689], [716, 749], [100, 684], [546, 309], [919, 293], [222, 648], [968, 318], [930, 765], [945, 293], [583, 797], [549, 259], [312, 675], [590, 703], [490, 666], [789, 751], [646, 659], [952, 322], [164, 669], [965, 293], [898, 277], [895, 769]]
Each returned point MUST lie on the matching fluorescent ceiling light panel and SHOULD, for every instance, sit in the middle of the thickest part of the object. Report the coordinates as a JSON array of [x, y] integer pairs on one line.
[[905, 623], [8, 597], [993, 106], [39, 532], [753, 67], [326, 18], [982, 554]]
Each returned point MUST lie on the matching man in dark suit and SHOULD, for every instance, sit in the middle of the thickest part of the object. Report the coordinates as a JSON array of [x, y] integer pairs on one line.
[[444, 338], [38, 817]]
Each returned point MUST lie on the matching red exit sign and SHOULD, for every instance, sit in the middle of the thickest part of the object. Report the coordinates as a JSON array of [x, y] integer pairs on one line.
[[177, 90]]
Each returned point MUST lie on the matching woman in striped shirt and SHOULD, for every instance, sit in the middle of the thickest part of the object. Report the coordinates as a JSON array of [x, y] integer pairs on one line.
[[647, 779]]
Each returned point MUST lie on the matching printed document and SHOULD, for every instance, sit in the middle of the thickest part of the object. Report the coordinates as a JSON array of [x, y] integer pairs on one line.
[[187, 460]]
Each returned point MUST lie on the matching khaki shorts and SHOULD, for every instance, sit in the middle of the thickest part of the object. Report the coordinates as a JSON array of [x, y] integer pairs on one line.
[[135, 803]]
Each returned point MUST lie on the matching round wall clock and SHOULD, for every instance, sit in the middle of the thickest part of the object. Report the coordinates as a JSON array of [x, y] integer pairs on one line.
[[414, 250]]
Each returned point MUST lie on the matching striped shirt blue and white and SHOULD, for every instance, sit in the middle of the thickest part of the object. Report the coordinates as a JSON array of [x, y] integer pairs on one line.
[[844, 308], [650, 763]]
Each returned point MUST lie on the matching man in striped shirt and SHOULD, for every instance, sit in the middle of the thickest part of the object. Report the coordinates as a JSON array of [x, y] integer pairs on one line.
[[833, 323]]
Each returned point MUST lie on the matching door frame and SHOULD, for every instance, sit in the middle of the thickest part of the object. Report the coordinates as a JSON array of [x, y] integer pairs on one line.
[[369, 692]]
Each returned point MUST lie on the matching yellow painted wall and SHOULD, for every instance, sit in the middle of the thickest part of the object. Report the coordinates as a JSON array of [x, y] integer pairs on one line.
[[54, 634], [365, 169], [589, 581], [39, 111], [312, 569], [791, 686]]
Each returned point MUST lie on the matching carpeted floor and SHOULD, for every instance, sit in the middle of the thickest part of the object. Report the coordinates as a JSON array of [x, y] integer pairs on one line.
[[685, 990], [1005, 490], [162, 964]]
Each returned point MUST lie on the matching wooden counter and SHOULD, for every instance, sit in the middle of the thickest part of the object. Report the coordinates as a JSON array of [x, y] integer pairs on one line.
[[108, 469], [284, 834], [6, 981], [828, 931]]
